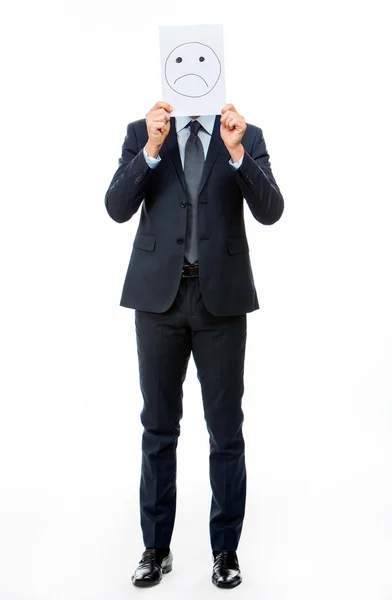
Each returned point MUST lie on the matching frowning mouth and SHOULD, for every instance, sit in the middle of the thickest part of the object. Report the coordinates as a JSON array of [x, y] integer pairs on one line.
[[187, 75]]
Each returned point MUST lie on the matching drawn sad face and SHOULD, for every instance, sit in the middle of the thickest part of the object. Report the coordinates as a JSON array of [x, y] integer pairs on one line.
[[192, 69]]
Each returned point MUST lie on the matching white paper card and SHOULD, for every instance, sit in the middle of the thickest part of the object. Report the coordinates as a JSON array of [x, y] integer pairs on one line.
[[192, 69]]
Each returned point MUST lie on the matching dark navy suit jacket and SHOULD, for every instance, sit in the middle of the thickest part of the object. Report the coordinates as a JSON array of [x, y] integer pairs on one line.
[[154, 271]]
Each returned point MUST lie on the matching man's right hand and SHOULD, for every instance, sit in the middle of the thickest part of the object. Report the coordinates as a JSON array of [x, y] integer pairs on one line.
[[158, 126]]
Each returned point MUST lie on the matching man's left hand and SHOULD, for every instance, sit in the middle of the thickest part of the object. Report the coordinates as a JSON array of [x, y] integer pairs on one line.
[[232, 129]]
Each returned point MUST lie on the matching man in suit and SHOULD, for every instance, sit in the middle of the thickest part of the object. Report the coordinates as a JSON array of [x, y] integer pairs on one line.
[[190, 282]]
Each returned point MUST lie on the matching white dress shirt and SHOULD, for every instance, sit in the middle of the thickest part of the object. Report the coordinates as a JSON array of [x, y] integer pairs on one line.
[[183, 132]]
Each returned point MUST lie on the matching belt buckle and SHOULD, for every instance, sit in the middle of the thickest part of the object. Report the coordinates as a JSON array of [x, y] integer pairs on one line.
[[189, 270]]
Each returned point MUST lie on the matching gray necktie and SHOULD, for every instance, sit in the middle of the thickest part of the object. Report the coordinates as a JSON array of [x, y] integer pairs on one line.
[[193, 168]]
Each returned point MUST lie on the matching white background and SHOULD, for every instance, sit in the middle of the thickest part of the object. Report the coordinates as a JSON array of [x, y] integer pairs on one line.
[[315, 77]]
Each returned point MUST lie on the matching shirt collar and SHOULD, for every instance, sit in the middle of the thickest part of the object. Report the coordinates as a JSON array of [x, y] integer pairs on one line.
[[207, 121]]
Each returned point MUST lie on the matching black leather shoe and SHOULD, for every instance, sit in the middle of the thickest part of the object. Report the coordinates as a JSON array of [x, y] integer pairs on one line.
[[226, 571], [151, 567]]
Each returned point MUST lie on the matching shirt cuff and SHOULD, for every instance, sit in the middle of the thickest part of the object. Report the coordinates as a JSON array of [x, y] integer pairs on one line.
[[150, 160], [237, 164]]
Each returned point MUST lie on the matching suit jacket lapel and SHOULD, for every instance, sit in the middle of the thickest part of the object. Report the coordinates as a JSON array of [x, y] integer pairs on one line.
[[170, 147], [214, 148]]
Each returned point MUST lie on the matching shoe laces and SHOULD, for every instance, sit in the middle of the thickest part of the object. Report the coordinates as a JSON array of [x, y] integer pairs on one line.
[[149, 557], [226, 558]]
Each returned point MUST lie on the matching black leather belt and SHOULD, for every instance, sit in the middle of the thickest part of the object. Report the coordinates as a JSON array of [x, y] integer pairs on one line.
[[190, 270]]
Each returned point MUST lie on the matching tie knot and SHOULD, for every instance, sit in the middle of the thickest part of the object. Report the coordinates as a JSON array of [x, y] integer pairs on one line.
[[195, 126]]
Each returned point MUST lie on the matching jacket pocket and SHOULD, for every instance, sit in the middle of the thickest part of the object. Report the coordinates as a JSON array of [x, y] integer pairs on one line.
[[236, 245], [144, 242]]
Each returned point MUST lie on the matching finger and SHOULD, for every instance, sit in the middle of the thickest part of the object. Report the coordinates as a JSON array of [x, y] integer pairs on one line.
[[228, 107], [231, 120], [164, 113], [228, 115], [158, 119], [224, 116], [162, 104], [158, 115], [158, 126]]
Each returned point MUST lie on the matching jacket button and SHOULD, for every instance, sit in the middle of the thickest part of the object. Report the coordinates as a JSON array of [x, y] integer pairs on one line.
[[183, 204], [180, 240]]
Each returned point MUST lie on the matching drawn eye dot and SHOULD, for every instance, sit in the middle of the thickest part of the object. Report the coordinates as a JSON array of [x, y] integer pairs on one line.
[[179, 59], [202, 59]]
